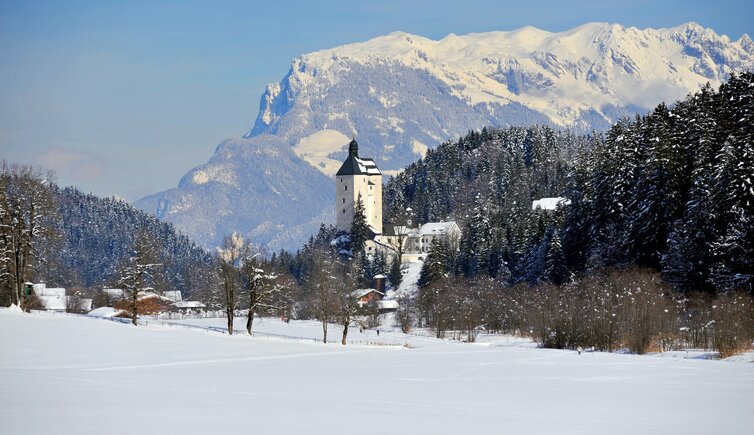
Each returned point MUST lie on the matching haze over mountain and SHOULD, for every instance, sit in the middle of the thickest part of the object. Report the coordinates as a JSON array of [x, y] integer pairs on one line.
[[401, 94]]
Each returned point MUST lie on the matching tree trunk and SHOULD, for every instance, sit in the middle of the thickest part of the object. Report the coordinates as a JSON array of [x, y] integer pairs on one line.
[[134, 313], [324, 330], [250, 317], [230, 321], [345, 332], [250, 320]]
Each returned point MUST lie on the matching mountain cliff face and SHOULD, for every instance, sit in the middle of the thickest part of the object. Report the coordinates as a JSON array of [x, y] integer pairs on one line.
[[256, 187], [401, 94]]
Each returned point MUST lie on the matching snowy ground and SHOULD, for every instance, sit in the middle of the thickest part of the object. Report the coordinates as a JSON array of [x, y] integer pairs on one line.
[[80, 375]]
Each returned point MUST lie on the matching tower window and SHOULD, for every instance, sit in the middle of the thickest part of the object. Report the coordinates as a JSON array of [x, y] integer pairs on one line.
[[346, 187], [344, 211], [344, 200]]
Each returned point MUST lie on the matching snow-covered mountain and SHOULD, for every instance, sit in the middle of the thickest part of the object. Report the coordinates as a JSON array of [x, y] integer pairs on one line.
[[256, 187], [401, 94]]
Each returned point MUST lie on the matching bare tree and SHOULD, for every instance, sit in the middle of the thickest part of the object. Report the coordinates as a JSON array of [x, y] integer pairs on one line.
[[268, 292], [136, 274], [230, 254], [402, 223], [346, 303], [404, 314], [321, 282]]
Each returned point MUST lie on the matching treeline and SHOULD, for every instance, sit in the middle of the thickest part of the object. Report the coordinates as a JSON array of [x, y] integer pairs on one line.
[[98, 234], [69, 239], [654, 252], [672, 190], [486, 182]]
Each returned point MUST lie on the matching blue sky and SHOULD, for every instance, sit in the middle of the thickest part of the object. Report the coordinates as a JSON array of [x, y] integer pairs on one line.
[[123, 97]]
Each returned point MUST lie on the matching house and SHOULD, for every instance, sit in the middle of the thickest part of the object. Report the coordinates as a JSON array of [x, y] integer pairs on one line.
[[549, 204], [55, 299], [421, 240], [187, 307], [367, 295], [387, 306]]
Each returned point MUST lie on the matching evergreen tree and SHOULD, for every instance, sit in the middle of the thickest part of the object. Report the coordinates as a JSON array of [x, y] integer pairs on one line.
[[733, 267], [395, 276], [359, 228], [556, 270], [435, 265]]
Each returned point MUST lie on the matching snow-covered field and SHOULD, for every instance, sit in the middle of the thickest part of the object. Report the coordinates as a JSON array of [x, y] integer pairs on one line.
[[77, 375]]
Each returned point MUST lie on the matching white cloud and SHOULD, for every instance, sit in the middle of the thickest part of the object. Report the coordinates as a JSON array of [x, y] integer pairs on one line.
[[75, 165]]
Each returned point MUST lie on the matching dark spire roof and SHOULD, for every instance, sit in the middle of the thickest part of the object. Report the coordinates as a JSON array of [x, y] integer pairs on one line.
[[355, 165]]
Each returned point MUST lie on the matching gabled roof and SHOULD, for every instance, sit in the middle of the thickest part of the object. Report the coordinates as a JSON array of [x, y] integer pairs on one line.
[[437, 228], [360, 293], [388, 305], [173, 295], [354, 165]]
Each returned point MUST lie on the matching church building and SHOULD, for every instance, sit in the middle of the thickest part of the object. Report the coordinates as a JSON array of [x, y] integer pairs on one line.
[[358, 176]]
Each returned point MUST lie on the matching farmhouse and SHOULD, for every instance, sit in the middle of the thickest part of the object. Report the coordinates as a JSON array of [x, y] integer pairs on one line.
[[55, 298]]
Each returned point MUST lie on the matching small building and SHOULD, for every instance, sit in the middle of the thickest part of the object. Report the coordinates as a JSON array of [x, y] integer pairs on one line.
[[550, 204], [387, 306], [186, 307], [367, 295], [55, 298]]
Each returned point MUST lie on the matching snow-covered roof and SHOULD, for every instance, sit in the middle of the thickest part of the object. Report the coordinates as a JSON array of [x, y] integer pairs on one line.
[[173, 295], [387, 305], [42, 290], [145, 293], [113, 292], [367, 166], [105, 312], [56, 303], [436, 228], [355, 165], [189, 304], [380, 276], [550, 203], [360, 293], [152, 295]]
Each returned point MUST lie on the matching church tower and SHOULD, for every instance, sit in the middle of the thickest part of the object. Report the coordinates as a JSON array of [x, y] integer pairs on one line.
[[358, 175]]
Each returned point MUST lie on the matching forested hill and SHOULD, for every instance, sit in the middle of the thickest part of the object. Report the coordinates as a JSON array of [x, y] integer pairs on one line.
[[672, 190], [96, 235]]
